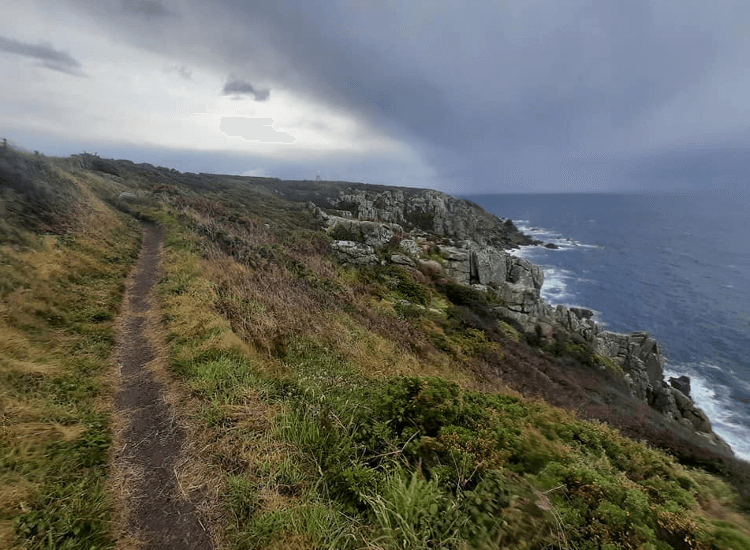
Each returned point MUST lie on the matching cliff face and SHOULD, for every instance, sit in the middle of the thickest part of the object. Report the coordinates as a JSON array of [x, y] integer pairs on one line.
[[431, 230]]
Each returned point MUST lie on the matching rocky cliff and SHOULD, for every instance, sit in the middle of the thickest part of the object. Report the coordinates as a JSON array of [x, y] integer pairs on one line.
[[430, 230]]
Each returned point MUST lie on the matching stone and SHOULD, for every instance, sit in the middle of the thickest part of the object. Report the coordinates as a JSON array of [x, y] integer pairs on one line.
[[400, 259], [699, 420], [518, 297], [317, 212], [410, 247], [457, 263], [582, 313], [522, 271], [662, 399], [420, 209], [453, 254], [642, 387], [370, 233], [684, 403], [681, 383], [490, 266], [353, 253]]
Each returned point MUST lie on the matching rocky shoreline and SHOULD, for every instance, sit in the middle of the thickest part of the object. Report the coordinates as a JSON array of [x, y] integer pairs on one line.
[[432, 231]]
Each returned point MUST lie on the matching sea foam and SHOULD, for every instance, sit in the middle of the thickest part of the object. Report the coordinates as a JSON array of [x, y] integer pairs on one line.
[[716, 401]]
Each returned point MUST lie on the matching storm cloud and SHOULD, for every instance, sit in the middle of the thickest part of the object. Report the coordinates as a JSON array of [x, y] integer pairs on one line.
[[146, 7], [507, 95], [238, 87], [45, 53]]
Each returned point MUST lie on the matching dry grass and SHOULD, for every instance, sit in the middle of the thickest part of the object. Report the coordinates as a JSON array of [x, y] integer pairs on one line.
[[270, 306], [57, 297], [719, 500]]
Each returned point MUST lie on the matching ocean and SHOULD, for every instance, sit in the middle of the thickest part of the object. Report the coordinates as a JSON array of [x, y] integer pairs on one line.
[[676, 265]]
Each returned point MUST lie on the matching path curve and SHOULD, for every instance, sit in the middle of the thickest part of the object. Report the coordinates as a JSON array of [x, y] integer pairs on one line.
[[149, 441]]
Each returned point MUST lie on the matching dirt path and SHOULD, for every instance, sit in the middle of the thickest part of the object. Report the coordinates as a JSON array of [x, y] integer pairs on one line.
[[154, 512]]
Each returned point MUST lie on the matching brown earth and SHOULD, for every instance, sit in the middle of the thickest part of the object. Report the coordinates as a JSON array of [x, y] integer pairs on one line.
[[154, 510]]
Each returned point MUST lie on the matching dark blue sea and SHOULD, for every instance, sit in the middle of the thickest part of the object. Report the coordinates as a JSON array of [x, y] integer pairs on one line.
[[676, 265]]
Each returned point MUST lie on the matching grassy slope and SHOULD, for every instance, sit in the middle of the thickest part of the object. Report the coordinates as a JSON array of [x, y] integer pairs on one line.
[[61, 279], [338, 415], [330, 407]]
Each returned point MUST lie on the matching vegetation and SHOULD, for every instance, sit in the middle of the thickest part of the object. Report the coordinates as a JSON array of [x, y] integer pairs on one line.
[[60, 290], [331, 407]]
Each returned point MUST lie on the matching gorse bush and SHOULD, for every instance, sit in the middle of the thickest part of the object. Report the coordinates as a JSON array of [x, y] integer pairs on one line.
[[477, 465]]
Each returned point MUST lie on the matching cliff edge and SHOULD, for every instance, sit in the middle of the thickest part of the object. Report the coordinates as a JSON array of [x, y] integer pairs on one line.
[[430, 230]]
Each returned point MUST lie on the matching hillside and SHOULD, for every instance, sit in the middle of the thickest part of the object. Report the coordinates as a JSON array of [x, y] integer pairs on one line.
[[349, 366]]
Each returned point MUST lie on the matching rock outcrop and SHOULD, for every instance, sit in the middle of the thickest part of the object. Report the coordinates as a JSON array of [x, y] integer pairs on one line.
[[427, 210], [458, 239]]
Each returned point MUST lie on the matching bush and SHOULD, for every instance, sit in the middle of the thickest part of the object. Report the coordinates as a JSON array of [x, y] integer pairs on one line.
[[432, 465]]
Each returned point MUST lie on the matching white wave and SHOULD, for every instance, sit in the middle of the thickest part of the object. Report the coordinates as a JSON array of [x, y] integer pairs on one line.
[[555, 287], [725, 413], [550, 236]]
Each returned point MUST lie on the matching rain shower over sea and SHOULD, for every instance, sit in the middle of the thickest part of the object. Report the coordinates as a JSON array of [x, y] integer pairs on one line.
[[676, 265]]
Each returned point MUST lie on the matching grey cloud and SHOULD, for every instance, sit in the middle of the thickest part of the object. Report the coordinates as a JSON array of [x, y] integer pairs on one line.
[[716, 168], [180, 70], [238, 87], [45, 53], [254, 129], [492, 93], [146, 7], [483, 80]]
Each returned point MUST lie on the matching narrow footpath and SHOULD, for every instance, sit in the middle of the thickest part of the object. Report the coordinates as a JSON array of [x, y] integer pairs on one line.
[[154, 515]]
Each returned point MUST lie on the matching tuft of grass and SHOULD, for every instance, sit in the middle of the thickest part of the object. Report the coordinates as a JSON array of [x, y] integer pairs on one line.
[[412, 512]]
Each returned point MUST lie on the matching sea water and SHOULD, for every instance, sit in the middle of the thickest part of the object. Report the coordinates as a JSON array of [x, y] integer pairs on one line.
[[676, 265]]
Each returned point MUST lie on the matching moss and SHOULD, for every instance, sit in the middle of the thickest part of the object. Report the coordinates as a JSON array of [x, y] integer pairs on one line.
[[340, 232], [609, 364]]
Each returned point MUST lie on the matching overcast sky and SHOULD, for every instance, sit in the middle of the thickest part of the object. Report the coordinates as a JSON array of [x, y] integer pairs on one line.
[[487, 96]]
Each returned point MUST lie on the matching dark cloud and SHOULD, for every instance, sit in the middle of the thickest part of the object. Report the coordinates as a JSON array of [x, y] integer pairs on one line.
[[495, 93], [146, 7], [45, 53], [238, 87], [723, 169]]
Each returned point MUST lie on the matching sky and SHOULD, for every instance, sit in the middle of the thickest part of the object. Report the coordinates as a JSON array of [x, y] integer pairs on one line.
[[466, 97]]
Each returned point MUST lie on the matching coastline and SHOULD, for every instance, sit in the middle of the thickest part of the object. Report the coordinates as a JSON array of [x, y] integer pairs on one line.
[[711, 375]]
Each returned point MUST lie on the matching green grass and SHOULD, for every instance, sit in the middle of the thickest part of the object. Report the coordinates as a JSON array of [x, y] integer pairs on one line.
[[56, 340]]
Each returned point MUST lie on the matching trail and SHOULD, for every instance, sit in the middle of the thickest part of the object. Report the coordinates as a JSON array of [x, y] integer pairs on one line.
[[155, 512]]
